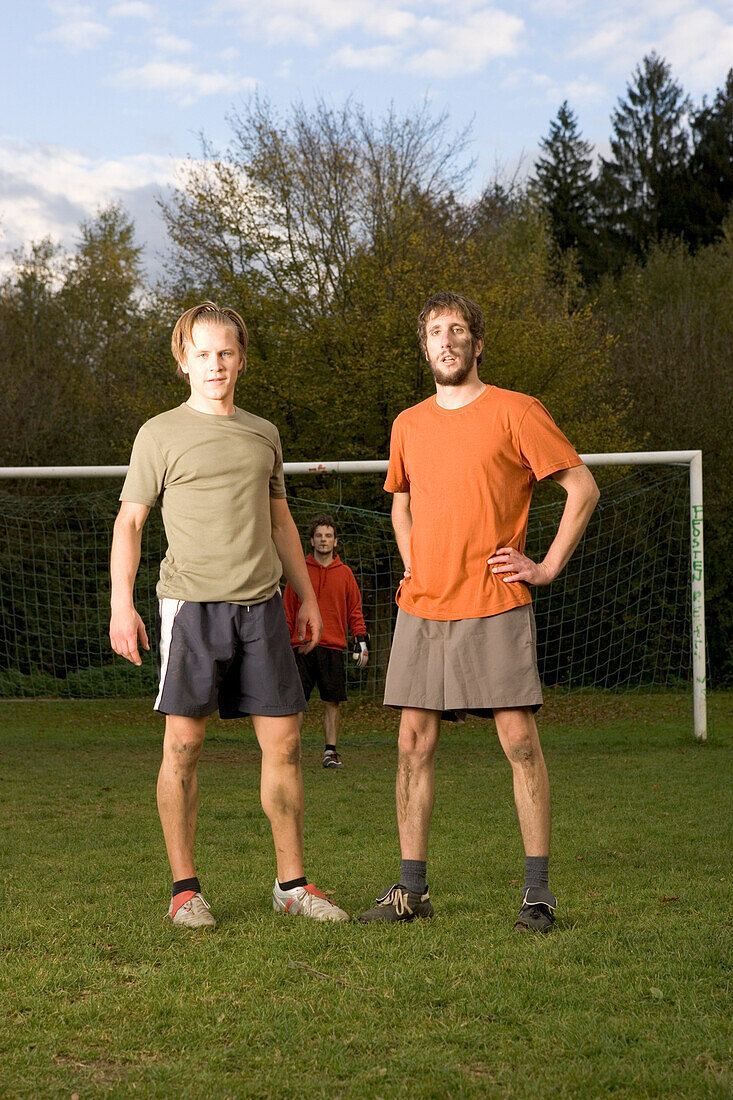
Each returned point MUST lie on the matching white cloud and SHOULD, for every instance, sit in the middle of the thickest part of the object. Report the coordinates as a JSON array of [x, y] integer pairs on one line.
[[135, 9], [78, 28], [466, 46], [578, 92], [47, 190], [443, 39], [171, 43], [372, 57], [182, 82], [700, 44], [604, 42]]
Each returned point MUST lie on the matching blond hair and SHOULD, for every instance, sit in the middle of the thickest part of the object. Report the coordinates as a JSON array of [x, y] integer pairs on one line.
[[208, 313]]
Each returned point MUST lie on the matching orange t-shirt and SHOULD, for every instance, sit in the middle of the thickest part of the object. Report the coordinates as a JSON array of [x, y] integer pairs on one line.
[[470, 474]]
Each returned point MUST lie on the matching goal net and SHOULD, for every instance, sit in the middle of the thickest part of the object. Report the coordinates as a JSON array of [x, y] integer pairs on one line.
[[619, 617]]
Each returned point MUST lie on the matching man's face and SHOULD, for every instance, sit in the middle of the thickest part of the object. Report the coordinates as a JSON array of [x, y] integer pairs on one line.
[[450, 348], [324, 540], [212, 362]]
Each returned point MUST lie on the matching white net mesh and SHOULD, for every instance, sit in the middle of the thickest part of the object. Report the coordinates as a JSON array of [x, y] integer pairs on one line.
[[618, 618]]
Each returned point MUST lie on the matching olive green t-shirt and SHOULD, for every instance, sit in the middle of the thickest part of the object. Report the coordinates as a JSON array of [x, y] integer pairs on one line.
[[214, 476]]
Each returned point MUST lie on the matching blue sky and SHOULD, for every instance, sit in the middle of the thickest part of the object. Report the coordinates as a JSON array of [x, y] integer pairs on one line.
[[104, 98]]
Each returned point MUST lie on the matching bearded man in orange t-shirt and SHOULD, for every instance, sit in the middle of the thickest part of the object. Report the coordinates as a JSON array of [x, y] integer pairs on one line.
[[462, 468]]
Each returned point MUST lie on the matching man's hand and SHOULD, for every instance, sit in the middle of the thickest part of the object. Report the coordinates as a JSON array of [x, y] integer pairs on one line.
[[309, 621], [360, 652], [514, 566], [126, 629]]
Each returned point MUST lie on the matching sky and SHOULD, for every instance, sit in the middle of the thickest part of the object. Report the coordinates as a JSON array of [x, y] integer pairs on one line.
[[105, 99]]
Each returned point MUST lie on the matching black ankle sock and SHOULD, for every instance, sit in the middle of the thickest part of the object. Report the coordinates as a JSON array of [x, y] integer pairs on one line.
[[293, 883], [412, 875], [330, 748], [186, 884], [536, 871]]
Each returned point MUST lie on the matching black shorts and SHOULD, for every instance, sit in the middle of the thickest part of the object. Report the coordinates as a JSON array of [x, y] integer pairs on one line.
[[323, 668], [226, 655]]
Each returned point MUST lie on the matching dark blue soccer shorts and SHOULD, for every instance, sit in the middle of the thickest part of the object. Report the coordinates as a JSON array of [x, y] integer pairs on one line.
[[228, 656]]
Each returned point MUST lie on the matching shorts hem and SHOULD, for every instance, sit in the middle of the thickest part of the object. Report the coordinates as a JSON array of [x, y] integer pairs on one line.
[[483, 710], [264, 712], [190, 712]]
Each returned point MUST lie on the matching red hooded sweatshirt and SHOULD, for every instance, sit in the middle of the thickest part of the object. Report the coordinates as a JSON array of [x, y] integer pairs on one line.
[[339, 602]]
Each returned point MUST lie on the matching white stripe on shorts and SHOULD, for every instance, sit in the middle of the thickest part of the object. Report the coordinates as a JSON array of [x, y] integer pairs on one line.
[[168, 610]]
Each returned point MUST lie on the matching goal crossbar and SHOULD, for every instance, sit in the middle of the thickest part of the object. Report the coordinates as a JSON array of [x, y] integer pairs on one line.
[[692, 459]]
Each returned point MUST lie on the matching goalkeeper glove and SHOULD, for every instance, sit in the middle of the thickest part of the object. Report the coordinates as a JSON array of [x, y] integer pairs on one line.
[[360, 651]]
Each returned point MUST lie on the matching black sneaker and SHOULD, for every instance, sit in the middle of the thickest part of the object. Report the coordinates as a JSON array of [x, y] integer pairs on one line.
[[397, 903], [538, 910], [331, 759]]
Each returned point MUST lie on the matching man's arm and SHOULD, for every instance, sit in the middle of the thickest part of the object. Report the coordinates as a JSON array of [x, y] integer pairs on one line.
[[402, 524], [291, 603], [287, 543], [583, 494], [126, 628], [357, 626]]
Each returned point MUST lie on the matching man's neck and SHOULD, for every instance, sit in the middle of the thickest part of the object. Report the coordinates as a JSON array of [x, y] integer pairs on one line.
[[213, 408], [323, 559], [455, 397]]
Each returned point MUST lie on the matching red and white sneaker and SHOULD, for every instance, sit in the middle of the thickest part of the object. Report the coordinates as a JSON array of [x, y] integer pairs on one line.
[[194, 913], [306, 901]]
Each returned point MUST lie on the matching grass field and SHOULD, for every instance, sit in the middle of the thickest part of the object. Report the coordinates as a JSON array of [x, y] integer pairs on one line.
[[99, 996]]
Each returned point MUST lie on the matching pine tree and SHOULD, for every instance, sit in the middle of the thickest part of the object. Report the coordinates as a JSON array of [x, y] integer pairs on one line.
[[637, 186], [564, 180], [711, 167]]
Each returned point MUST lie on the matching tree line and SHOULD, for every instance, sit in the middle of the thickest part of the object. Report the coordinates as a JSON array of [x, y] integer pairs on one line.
[[606, 288]]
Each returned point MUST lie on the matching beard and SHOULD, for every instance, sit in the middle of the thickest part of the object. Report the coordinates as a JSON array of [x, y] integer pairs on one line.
[[456, 377]]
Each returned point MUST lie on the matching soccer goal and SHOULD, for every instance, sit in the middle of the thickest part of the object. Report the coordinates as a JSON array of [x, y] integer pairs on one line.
[[626, 615]]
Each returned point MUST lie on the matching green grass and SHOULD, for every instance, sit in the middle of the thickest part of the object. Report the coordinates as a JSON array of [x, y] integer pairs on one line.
[[628, 996]]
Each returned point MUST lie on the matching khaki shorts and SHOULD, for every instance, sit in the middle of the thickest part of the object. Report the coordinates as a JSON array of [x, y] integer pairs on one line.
[[466, 665]]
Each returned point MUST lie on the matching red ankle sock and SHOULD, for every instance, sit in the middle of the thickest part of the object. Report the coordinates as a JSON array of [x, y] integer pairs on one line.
[[181, 899]]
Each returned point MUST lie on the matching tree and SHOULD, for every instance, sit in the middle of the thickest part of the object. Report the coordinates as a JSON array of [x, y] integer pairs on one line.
[[77, 346], [636, 187], [711, 167], [672, 329], [329, 229], [564, 180]]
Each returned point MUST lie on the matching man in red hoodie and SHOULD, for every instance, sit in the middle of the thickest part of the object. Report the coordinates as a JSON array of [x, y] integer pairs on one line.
[[339, 602]]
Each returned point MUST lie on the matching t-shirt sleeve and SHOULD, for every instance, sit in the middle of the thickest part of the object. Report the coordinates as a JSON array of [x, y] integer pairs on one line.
[[277, 477], [543, 447], [146, 475], [397, 480], [354, 611]]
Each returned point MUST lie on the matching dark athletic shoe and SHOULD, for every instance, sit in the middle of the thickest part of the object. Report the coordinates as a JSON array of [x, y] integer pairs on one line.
[[538, 910], [331, 759], [397, 903]]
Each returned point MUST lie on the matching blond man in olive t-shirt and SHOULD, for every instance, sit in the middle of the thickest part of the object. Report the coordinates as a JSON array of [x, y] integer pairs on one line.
[[224, 643], [462, 468]]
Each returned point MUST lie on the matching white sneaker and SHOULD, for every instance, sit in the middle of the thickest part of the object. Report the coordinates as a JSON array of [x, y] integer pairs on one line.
[[306, 901], [194, 913]]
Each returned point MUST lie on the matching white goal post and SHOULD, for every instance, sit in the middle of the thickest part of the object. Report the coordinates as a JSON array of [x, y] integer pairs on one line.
[[691, 459]]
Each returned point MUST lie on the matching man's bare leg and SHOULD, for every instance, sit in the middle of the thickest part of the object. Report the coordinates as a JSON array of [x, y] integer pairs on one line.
[[281, 790], [418, 740], [520, 741], [331, 722], [178, 791]]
